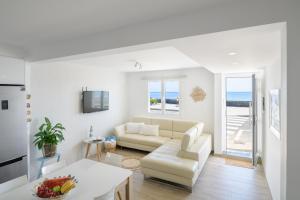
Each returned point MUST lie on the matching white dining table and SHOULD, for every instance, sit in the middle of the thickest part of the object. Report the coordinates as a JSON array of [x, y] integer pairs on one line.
[[94, 179]]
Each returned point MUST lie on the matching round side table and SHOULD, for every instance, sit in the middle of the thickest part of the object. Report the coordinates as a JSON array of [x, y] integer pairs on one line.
[[98, 142]]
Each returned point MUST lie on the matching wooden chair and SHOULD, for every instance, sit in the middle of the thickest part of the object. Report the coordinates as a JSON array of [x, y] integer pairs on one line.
[[110, 195], [12, 184], [53, 167]]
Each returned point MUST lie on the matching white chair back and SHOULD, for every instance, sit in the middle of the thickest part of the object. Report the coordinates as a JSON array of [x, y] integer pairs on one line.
[[12, 184], [110, 195], [113, 159], [53, 167]]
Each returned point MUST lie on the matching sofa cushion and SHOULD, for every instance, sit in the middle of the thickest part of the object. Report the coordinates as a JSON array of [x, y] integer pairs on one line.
[[165, 133], [189, 138], [141, 147], [144, 120], [133, 128], [120, 130], [150, 130], [155, 141], [165, 126], [170, 148], [182, 126], [178, 135], [165, 159]]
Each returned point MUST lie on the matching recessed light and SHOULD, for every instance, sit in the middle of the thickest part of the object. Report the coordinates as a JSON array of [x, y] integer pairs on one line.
[[232, 53]]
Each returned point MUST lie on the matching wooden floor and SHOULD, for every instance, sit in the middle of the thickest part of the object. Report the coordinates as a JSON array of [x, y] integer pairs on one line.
[[217, 181]]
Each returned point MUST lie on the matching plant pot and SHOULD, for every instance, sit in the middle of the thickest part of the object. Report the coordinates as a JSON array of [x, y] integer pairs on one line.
[[49, 150]]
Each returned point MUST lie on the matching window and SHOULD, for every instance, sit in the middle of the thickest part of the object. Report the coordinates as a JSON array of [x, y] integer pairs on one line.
[[155, 96], [171, 103], [163, 96]]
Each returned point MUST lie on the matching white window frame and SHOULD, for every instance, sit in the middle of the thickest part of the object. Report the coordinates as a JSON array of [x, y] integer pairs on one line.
[[163, 96]]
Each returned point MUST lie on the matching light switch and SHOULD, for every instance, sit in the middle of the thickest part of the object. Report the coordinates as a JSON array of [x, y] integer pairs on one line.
[[4, 104]]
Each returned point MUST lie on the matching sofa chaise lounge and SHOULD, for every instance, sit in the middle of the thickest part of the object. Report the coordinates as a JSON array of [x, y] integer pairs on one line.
[[177, 154]]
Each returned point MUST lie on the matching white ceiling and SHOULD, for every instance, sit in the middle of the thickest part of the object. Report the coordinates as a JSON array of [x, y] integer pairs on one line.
[[255, 48], [29, 23], [150, 59]]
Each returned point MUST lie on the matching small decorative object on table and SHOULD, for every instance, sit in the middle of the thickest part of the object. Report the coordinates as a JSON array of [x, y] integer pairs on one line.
[[110, 143], [48, 137], [55, 188], [91, 132]]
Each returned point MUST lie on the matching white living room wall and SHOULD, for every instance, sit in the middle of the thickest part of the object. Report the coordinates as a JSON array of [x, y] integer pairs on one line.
[[189, 110], [272, 144], [12, 70], [56, 93]]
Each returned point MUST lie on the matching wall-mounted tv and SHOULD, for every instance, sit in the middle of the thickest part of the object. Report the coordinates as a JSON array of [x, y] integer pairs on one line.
[[95, 101]]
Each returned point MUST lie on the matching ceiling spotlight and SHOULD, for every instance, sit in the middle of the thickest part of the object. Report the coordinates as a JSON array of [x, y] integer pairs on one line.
[[138, 65], [232, 53]]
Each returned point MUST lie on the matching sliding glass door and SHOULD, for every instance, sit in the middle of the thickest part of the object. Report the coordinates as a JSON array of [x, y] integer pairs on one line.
[[241, 117]]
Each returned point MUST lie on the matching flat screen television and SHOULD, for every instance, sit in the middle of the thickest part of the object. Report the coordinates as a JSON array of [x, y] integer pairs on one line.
[[95, 101]]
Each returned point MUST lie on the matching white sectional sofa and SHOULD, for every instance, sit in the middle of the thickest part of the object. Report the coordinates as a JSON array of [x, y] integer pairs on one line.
[[178, 152]]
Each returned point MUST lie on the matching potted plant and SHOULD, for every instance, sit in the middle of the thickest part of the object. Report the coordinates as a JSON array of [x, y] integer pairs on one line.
[[153, 101], [48, 137]]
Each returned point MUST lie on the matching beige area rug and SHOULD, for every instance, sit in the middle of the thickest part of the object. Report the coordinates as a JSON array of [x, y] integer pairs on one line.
[[238, 163], [132, 163]]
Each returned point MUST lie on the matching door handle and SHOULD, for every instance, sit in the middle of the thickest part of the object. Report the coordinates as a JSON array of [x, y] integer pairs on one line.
[[9, 162]]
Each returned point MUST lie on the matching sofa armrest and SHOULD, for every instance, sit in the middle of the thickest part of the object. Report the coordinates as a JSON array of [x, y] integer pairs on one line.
[[200, 127], [120, 130], [196, 151], [191, 136]]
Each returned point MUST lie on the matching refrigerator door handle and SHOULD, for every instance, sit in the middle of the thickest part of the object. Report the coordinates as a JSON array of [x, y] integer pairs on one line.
[[12, 161]]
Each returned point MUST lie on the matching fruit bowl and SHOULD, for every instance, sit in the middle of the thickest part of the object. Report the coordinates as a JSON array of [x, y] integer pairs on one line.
[[60, 197], [56, 188]]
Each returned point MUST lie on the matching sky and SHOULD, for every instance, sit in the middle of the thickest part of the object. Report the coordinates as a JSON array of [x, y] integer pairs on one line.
[[170, 86], [239, 84]]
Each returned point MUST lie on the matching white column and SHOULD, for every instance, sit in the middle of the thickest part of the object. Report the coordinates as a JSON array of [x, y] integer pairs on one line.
[[219, 115]]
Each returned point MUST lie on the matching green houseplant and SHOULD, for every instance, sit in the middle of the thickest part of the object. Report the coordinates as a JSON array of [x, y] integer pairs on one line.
[[48, 136], [153, 101]]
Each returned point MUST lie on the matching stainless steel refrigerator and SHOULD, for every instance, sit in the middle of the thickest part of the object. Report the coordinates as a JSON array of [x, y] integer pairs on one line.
[[13, 134]]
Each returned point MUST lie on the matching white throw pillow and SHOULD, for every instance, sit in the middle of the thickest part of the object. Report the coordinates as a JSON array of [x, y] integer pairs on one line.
[[150, 130], [133, 127]]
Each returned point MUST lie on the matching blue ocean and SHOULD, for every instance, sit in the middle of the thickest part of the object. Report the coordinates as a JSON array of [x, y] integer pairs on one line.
[[239, 96], [169, 95]]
